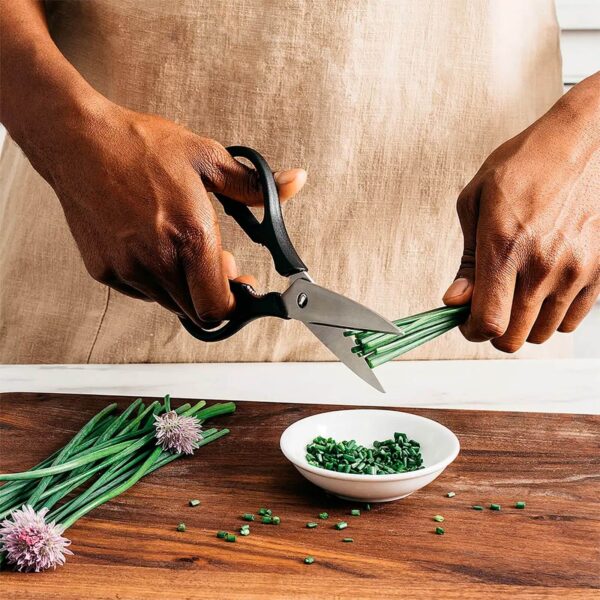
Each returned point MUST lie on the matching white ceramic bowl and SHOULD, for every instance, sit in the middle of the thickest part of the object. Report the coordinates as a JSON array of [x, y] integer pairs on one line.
[[439, 447]]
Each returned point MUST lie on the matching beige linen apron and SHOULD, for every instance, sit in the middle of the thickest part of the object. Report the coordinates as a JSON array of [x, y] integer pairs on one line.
[[391, 106]]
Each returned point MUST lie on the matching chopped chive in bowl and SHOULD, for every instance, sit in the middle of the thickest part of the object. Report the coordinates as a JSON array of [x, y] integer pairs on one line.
[[399, 454]]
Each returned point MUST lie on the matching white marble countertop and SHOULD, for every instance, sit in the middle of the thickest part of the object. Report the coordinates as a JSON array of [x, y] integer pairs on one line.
[[566, 386]]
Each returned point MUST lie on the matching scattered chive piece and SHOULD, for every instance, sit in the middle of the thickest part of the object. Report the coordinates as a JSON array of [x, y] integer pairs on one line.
[[477, 507], [324, 515], [450, 494], [355, 512], [221, 534], [194, 502], [347, 540], [440, 530], [341, 525], [248, 517], [311, 525], [367, 507], [267, 520], [245, 530], [495, 506], [262, 512], [438, 518], [520, 504], [309, 560], [230, 537], [181, 527], [276, 520]]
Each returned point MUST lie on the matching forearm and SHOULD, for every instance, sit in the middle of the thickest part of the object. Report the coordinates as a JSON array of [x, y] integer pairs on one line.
[[40, 92]]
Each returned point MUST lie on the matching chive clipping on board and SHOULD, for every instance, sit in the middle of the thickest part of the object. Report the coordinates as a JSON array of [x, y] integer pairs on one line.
[[323, 515], [341, 525], [440, 530], [267, 520], [261, 511], [221, 534], [477, 507], [248, 517], [194, 502], [309, 560], [395, 455], [245, 530], [230, 537], [355, 512], [367, 507], [348, 540], [450, 495], [438, 518], [520, 504], [276, 520], [495, 507], [181, 527], [311, 525]]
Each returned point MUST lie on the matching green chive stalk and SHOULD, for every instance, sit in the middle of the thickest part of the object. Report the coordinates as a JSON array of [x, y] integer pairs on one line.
[[379, 348], [108, 447]]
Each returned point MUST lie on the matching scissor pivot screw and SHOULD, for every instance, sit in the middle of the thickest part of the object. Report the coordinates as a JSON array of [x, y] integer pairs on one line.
[[302, 300]]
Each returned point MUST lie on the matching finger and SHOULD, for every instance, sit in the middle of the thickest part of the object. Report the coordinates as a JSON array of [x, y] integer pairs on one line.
[[551, 316], [524, 312], [491, 303], [223, 174], [467, 207], [229, 265], [581, 306], [201, 258], [289, 182]]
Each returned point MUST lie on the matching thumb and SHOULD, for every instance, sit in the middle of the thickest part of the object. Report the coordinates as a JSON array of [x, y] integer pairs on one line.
[[461, 289], [225, 175]]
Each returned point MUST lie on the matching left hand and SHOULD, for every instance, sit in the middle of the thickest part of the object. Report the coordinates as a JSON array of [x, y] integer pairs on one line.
[[531, 260]]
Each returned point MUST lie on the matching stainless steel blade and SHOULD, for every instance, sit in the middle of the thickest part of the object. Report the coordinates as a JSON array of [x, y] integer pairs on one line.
[[341, 346], [306, 301]]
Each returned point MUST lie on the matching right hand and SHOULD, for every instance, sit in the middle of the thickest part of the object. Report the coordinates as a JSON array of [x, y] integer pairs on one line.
[[134, 189]]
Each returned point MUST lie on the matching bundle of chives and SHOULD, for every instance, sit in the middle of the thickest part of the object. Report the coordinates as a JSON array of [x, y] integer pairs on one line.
[[379, 348], [119, 450]]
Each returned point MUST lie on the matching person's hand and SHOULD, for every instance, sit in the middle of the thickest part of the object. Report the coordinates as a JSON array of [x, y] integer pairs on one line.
[[134, 189], [531, 261]]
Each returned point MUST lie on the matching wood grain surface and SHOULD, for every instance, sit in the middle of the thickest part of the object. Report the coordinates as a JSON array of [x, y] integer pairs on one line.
[[129, 548]]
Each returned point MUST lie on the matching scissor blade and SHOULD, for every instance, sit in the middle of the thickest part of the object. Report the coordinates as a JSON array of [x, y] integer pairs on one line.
[[341, 346], [308, 302]]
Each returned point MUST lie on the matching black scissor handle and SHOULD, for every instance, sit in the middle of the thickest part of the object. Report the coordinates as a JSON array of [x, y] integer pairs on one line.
[[248, 306], [271, 233]]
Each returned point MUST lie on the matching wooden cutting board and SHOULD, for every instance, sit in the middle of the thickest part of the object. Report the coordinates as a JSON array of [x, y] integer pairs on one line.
[[129, 548]]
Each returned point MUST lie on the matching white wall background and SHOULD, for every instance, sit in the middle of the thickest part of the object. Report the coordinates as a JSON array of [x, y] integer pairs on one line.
[[580, 42]]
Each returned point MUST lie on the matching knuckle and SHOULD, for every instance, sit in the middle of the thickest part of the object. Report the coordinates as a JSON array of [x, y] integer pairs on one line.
[[210, 161], [574, 270]]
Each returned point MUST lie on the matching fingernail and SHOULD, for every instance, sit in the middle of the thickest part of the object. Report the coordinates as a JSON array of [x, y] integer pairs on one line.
[[458, 288], [285, 177]]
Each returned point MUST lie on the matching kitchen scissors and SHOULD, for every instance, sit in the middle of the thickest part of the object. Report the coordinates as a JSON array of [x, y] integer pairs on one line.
[[325, 313]]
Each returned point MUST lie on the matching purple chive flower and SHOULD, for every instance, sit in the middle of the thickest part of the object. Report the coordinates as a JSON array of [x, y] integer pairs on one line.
[[177, 433], [30, 542]]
